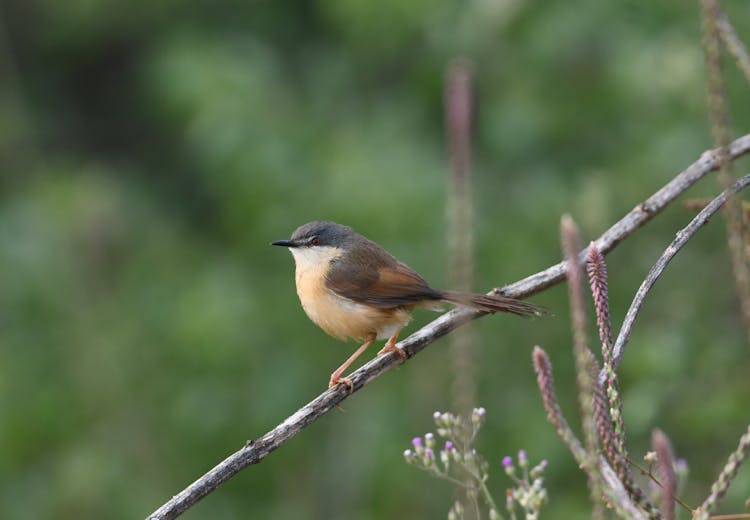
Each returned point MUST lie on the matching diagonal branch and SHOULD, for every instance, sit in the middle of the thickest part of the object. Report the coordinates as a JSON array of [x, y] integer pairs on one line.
[[636, 218], [255, 451]]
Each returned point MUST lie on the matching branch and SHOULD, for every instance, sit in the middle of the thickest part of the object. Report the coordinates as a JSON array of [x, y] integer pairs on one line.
[[680, 240], [255, 451], [637, 217]]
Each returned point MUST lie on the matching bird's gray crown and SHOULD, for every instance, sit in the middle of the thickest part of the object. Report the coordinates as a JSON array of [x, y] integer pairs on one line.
[[327, 233]]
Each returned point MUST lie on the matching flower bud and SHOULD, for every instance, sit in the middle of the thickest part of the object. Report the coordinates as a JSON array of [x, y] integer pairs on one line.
[[509, 499], [537, 470], [477, 416], [508, 465], [429, 457], [445, 458], [456, 455], [522, 460]]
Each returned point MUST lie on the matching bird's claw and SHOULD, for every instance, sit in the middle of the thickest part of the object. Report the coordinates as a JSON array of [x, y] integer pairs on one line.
[[343, 380], [393, 348]]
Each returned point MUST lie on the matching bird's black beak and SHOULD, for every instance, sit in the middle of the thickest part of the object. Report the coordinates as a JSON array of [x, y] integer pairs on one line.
[[285, 243]]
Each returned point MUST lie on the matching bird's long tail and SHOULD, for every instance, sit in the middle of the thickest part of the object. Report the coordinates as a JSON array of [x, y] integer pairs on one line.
[[493, 303]]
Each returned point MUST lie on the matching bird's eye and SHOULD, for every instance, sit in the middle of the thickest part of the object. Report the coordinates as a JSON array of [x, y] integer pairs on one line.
[[314, 241]]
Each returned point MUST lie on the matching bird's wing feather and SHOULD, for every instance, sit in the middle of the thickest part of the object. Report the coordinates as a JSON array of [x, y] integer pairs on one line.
[[374, 277]]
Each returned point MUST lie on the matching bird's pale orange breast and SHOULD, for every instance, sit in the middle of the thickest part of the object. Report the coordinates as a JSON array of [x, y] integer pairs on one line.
[[336, 315]]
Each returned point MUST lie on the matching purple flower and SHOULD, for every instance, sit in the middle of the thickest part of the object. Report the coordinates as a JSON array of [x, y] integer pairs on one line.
[[448, 446], [507, 461], [417, 442]]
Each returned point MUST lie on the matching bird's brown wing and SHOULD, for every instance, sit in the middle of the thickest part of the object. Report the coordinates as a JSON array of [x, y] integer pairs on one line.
[[376, 278]]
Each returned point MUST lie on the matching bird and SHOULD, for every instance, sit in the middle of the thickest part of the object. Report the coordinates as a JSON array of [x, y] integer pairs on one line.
[[352, 288]]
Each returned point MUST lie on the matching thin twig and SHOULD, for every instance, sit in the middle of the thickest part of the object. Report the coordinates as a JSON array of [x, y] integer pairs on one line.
[[720, 486], [646, 472], [680, 240], [255, 451], [734, 44]]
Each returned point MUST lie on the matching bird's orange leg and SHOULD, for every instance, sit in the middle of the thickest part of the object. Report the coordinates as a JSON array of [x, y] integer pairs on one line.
[[336, 376], [390, 346]]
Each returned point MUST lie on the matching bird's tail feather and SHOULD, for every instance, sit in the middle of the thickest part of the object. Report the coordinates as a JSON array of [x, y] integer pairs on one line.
[[493, 303]]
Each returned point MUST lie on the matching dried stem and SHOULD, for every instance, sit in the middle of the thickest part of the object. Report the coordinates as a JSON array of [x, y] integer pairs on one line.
[[719, 118], [719, 488], [610, 410], [584, 361], [734, 44], [546, 383], [597, 271], [616, 494], [665, 460], [608, 405], [459, 107]]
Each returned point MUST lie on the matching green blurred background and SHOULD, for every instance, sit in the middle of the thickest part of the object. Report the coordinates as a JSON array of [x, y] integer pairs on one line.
[[150, 151]]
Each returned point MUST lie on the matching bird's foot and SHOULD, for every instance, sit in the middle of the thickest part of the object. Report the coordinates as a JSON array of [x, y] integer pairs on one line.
[[391, 347], [336, 379]]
